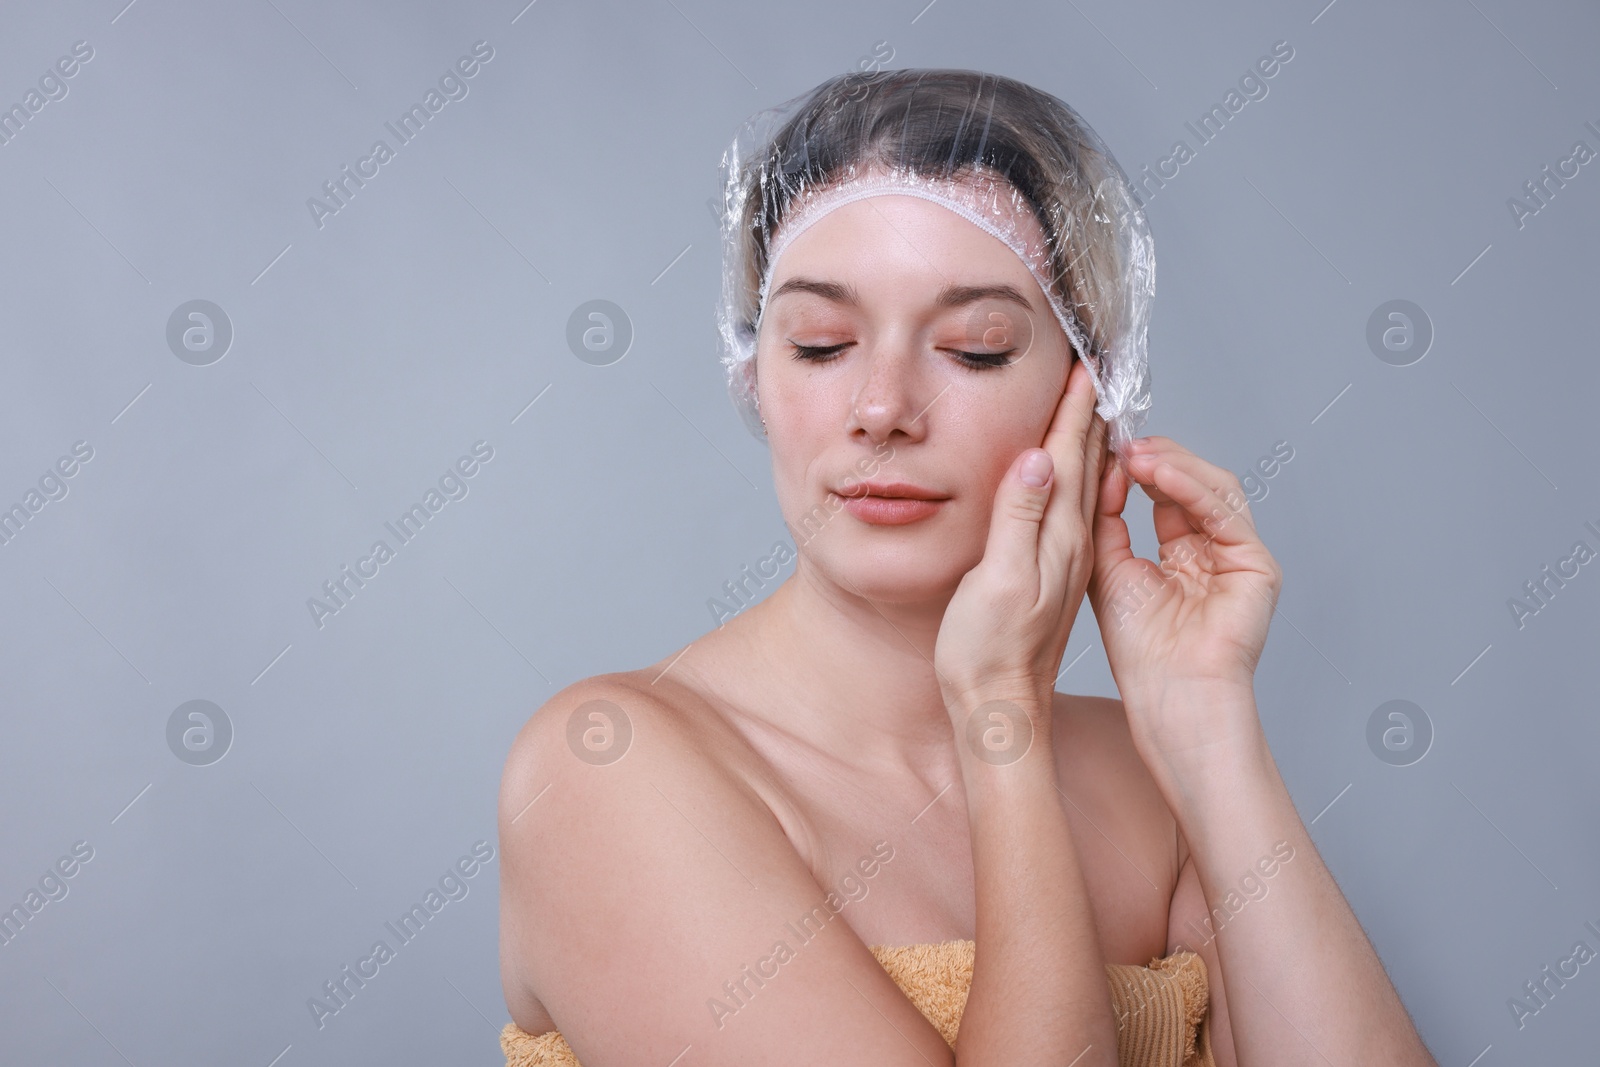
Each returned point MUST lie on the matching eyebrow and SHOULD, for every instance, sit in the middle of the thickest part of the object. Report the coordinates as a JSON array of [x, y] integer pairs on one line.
[[951, 296]]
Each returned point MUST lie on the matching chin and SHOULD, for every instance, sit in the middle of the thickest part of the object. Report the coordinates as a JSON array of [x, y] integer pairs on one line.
[[915, 565]]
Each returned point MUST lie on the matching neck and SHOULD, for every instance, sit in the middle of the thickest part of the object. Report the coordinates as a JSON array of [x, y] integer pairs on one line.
[[850, 676]]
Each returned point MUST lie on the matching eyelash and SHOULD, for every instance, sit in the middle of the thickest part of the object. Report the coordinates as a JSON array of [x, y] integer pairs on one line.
[[972, 360]]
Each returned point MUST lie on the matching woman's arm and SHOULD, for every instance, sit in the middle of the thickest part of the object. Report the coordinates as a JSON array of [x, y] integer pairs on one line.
[[1303, 984], [656, 907], [652, 902], [1039, 993], [1039, 985]]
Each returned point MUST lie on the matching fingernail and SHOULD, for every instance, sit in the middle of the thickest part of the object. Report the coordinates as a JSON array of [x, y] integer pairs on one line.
[[1036, 468]]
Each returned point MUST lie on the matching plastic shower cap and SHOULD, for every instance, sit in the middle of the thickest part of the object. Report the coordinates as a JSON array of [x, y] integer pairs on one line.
[[1010, 158]]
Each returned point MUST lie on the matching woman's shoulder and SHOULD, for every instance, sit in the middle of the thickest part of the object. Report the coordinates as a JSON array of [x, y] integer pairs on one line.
[[604, 711], [603, 737], [609, 719], [1086, 722], [621, 833], [1095, 747], [610, 775], [1110, 788]]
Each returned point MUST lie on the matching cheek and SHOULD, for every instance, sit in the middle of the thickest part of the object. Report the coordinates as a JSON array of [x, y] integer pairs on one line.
[[786, 394], [977, 447], [991, 430]]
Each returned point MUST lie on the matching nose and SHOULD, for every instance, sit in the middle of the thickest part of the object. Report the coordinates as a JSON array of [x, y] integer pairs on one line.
[[889, 396]]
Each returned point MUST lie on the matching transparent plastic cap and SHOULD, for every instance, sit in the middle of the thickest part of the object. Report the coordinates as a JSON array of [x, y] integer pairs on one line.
[[1010, 158]]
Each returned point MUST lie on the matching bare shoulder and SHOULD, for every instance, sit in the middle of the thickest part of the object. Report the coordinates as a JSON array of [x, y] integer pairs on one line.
[[1099, 725], [588, 778], [609, 737], [595, 722], [610, 730], [1126, 830], [639, 867]]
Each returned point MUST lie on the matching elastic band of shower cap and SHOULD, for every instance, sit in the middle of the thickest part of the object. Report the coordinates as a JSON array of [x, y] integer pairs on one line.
[[1082, 236]]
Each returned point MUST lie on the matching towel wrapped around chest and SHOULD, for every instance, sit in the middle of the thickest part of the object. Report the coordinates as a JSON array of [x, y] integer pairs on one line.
[[1161, 1009]]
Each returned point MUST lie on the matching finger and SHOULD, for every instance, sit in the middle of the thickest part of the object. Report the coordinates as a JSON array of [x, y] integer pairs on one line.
[[1117, 574], [1222, 482], [1204, 510], [1112, 544], [1066, 441], [1069, 425], [1013, 544], [1168, 517], [1171, 517], [1095, 456]]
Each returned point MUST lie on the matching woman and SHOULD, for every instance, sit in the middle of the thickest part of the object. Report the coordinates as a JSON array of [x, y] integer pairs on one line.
[[932, 280]]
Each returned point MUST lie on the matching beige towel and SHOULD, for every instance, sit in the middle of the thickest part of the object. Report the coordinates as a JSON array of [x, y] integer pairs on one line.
[[1160, 1009]]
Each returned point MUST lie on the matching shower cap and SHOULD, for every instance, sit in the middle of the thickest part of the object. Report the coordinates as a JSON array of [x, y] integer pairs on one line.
[[1010, 158]]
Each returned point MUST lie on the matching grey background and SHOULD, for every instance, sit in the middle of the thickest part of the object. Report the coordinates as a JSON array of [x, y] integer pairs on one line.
[[433, 309]]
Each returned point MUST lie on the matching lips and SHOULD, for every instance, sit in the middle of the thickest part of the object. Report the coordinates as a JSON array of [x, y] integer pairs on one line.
[[894, 491], [892, 503]]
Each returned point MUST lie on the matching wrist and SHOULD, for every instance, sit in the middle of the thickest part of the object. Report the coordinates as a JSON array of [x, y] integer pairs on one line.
[[1177, 691], [1000, 727], [1194, 735], [1239, 795], [1003, 783], [1031, 698]]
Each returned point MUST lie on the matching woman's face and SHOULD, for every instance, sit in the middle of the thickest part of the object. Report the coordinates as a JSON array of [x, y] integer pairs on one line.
[[862, 383]]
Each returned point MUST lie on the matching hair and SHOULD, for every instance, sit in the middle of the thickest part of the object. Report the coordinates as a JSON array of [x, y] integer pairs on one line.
[[939, 123]]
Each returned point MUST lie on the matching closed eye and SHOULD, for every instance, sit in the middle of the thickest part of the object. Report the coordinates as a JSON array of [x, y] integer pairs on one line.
[[974, 360], [815, 353]]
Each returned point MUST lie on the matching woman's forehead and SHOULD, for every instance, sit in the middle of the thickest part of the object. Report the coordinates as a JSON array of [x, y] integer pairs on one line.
[[956, 209], [889, 243]]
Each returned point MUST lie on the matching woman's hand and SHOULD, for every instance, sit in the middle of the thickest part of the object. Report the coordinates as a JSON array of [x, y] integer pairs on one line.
[[1005, 629], [1193, 627]]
